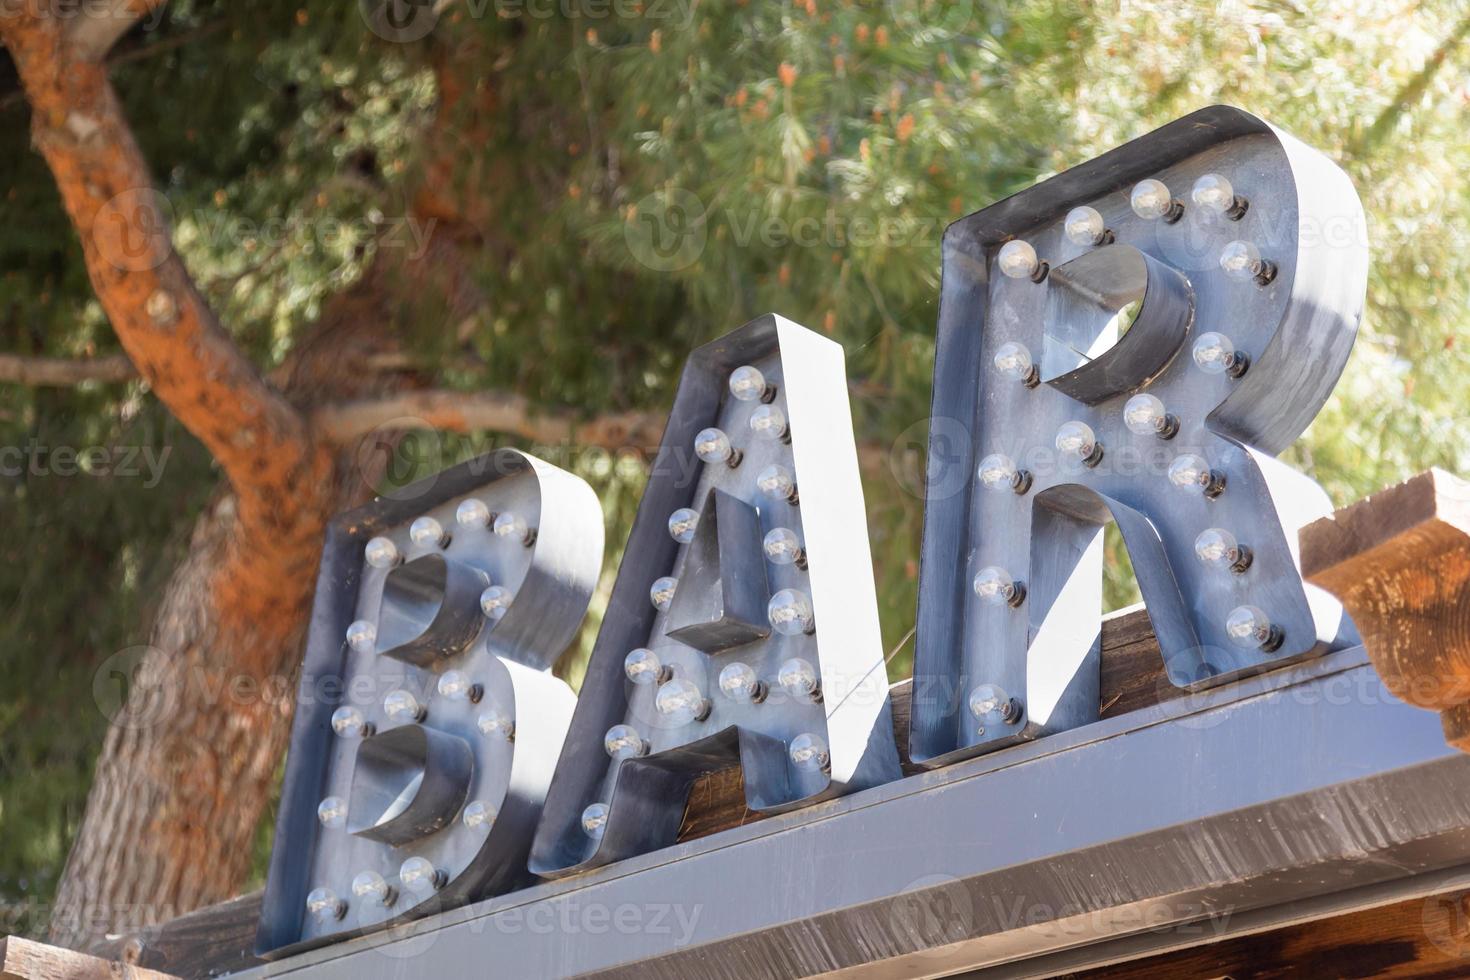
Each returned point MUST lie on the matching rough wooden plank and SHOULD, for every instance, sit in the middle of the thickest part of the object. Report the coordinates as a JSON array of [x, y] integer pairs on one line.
[[212, 940], [1400, 562], [1421, 939], [25, 959]]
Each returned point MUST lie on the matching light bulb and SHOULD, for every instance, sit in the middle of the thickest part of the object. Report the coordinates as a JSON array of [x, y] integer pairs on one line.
[[419, 876], [790, 612], [332, 812], [456, 685], [348, 722], [594, 820], [1077, 440], [495, 601], [713, 446], [738, 682], [472, 513], [643, 667], [809, 753], [1145, 415], [624, 742], [681, 702], [1215, 354], [998, 472], [990, 704], [496, 724], [1218, 549], [682, 524], [324, 905], [381, 553], [769, 422], [374, 887], [401, 705], [425, 531], [510, 525], [1250, 628], [1085, 226], [783, 547], [1017, 260], [1214, 192], [1151, 200], [1013, 360], [775, 482], [661, 594], [362, 636], [1241, 260], [478, 815], [995, 586], [748, 384], [798, 678], [1192, 472]]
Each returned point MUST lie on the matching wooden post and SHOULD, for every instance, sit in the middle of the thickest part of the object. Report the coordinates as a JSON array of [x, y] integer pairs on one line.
[[24, 959], [1400, 562]]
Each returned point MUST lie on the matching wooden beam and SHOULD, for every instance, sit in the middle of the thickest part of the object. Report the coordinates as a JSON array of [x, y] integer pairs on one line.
[[1400, 562], [1419, 939], [24, 959]]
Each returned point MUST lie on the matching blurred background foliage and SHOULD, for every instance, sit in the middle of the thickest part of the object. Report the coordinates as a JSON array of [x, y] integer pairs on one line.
[[824, 145]]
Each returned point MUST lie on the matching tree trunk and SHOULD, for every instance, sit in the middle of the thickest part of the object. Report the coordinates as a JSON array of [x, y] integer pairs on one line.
[[190, 762]]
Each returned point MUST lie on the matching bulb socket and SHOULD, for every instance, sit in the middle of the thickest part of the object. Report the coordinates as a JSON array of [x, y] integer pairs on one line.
[[768, 393], [1240, 362], [1175, 212], [1238, 208], [1039, 274], [477, 693], [1216, 484], [1275, 637], [1017, 596], [735, 458], [1243, 559], [761, 692], [800, 560], [1168, 426], [1032, 377], [1265, 272], [1021, 482], [1094, 457]]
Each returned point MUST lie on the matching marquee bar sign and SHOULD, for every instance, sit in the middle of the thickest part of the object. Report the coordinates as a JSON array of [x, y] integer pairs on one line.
[[1133, 340]]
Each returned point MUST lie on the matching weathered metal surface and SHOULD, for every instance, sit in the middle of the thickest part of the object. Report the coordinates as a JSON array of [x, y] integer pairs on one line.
[[1302, 783], [408, 783], [724, 582], [1297, 331]]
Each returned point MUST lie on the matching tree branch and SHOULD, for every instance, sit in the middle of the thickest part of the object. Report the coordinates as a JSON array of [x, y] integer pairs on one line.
[[61, 372], [454, 411], [491, 411], [93, 32], [167, 329], [1411, 93]]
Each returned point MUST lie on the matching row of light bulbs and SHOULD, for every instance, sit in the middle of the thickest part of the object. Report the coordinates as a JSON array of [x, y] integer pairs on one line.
[[418, 874], [1145, 414], [1150, 200], [789, 611]]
